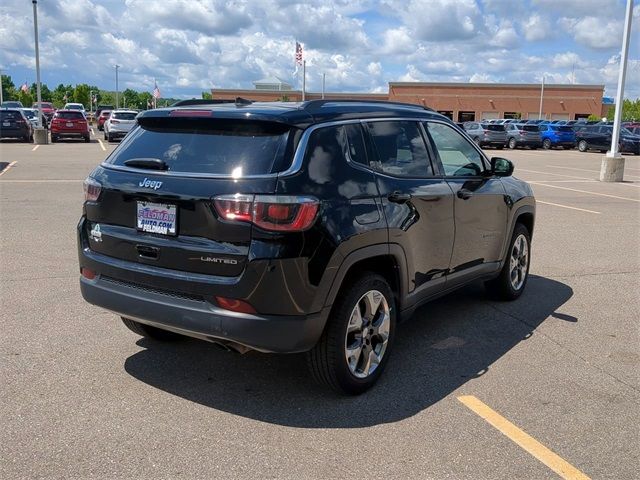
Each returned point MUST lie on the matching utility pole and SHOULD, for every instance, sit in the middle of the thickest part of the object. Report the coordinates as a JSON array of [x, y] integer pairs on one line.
[[612, 167], [38, 93], [117, 93], [541, 98]]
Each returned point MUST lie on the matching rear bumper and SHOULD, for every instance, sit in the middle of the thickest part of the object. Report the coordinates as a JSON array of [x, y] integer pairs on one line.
[[69, 133], [202, 319]]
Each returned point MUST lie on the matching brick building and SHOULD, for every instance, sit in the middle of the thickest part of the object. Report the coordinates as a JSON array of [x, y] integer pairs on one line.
[[466, 101]]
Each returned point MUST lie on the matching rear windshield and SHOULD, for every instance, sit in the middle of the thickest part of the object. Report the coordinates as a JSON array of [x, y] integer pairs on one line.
[[73, 107], [562, 128], [495, 127], [124, 115], [208, 147], [70, 115], [529, 128], [43, 105], [10, 115], [29, 113]]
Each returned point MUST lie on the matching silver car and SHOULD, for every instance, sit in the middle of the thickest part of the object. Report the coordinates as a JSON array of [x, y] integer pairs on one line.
[[119, 123], [32, 115]]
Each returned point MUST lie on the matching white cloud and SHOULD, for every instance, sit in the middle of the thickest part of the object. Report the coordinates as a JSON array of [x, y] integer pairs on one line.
[[536, 28], [594, 32]]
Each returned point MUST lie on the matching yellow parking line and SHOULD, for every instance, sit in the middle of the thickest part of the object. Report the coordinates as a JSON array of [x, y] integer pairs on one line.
[[35, 148], [8, 167], [522, 439], [101, 145], [567, 206], [585, 191]]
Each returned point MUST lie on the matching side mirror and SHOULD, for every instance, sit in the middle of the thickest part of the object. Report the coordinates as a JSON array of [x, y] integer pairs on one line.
[[501, 167]]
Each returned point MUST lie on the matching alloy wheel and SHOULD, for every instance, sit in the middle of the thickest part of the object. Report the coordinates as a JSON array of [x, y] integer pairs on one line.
[[367, 334], [519, 262]]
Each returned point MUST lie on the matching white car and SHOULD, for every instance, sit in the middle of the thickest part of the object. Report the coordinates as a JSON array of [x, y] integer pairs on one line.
[[119, 123], [74, 106], [32, 116]]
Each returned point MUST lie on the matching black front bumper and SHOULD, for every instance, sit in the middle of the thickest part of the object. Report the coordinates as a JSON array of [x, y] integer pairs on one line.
[[202, 319]]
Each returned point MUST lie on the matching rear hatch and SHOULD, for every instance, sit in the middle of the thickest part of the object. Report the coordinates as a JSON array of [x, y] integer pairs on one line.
[[564, 133], [11, 121], [157, 188], [123, 121], [494, 132], [530, 132], [70, 122]]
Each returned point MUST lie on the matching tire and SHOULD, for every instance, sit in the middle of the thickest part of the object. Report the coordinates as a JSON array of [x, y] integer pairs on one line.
[[54, 139], [148, 331], [26, 138], [87, 139], [109, 137], [105, 135], [583, 146], [505, 287], [546, 144], [329, 362], [512, 144], [499, 147]]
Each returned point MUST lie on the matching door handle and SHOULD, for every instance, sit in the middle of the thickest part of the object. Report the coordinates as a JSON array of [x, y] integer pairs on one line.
[[399, 197], [464, 194]]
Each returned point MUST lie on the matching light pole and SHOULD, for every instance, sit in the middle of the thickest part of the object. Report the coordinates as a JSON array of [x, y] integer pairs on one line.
[[117, 93], [38, 94], [1, 99], [541, 98], [612, 167]]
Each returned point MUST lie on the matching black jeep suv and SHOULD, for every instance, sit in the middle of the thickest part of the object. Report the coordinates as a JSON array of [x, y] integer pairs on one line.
[[298, 227]]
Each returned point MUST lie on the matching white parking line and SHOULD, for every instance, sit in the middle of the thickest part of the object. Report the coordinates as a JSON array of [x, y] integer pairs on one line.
[[101, 145], [8, 167], [39, 181], [554, 174], [567, 206], [35, 148], [594, 171], [587, 192]]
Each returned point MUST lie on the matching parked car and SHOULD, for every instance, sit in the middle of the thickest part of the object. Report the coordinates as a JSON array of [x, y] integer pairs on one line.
[[32, 116], [14, 124], [104, 114], [634, 130], [266, 227], [47, 109], [69, 124], [11, 104], [75, 106], [535, 122], [487, 134], [523, 135], [119, 123], [598, 137], [100, 109], [557, 136]]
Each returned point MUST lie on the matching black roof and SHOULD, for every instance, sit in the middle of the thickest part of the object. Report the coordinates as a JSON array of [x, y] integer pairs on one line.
[[298, 114]]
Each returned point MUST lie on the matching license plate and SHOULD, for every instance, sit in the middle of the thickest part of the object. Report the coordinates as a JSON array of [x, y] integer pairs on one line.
[[6, 124], [156, 218], [69, 124]]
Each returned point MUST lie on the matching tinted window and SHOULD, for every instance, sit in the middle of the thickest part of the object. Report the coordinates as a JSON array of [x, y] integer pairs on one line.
[[10, 115], [124, 115], [69, 115], [401, 149], [29, 113], [495, 127], [530, 128], [212, 147], [458, 156], [355, 144]]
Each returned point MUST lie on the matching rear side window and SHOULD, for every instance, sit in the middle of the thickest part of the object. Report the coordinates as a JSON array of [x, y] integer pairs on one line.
[[70, 115], [124, 115], [208, 147], [401, 149]]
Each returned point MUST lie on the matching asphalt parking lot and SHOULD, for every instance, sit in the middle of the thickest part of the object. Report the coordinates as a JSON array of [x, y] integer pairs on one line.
[[543, 386]]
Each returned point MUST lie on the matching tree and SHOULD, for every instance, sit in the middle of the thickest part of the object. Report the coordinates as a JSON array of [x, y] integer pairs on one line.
[[131, 98], [105, 98], [25, 98], [81, 94], [146, 99], [9, 91], [207, 96], [58, 95], [45, 93]]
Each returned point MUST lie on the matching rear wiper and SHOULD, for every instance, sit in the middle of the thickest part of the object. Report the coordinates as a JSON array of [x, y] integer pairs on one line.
[[150, 163]]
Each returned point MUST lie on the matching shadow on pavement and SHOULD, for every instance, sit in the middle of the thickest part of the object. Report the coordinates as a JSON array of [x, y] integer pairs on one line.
[[446, 343]]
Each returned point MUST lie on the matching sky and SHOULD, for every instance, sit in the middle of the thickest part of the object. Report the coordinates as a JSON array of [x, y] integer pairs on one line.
[[189, 46]]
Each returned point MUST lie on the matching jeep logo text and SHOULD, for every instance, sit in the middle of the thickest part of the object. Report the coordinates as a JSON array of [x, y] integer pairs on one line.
[[146, 183]]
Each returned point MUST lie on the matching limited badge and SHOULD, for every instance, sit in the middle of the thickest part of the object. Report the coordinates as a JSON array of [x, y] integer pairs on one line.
[[95, 234]]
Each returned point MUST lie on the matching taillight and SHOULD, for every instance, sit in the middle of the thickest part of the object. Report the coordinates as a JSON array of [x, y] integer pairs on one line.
[[115, 121], [92, 189], [87, 273], [235, 305], [281, 213]]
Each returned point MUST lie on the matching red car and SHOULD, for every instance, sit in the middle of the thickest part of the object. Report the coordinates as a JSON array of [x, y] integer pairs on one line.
[[69, 123], [47, 109], [104, 114]]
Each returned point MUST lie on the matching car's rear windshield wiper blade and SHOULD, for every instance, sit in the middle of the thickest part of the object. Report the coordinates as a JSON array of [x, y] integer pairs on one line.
[[150, 163]]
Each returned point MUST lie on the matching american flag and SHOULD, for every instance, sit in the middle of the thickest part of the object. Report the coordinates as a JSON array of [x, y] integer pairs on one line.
[[25, 87], [298, 54], [156, 90]]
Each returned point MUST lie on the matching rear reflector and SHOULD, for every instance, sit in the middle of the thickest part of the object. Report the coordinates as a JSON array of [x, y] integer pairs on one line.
[[88, 274], [92, 189], [280, 213], [235, 305]]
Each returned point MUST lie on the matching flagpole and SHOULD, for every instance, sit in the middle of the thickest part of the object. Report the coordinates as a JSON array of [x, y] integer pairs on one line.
[[324, 75], [304, 78]]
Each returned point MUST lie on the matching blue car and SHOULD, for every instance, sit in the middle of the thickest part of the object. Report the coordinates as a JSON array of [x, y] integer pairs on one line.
[[557, 136]]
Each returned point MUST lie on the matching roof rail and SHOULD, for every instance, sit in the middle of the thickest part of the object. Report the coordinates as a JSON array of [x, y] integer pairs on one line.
[[199, 101], [313, 105]]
